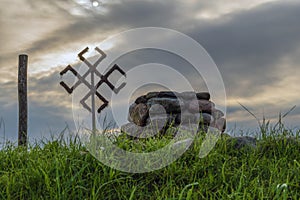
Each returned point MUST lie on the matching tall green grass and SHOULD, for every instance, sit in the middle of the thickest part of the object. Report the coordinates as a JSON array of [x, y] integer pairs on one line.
[[64, 169]]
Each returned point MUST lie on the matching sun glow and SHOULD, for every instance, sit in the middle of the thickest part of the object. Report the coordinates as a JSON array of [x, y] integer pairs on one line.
[[95, 3]]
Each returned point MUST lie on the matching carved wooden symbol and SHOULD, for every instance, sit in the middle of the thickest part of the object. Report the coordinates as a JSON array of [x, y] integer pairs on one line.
[[91, 85]]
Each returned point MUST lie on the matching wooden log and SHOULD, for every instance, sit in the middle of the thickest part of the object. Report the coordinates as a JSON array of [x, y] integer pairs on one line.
[[22, 92]]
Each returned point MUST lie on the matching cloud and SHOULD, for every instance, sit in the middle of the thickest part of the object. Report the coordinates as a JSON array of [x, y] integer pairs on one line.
[[255, 45], [249, 45]]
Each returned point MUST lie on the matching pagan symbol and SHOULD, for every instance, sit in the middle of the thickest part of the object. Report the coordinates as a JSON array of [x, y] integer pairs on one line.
[[92, 86]]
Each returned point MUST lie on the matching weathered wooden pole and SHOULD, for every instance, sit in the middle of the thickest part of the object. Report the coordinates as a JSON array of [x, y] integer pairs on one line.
[[22, 91]]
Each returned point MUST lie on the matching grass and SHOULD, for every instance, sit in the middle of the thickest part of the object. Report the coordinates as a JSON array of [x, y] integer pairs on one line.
[[64, 169]]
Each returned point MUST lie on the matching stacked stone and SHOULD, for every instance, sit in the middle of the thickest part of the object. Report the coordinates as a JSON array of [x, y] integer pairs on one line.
[[166, 108]]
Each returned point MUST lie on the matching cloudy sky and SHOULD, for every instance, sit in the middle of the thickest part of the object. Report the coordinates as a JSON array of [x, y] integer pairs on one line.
[[255, 44]]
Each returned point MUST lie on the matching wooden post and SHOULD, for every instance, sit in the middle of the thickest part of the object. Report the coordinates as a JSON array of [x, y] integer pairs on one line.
[[22, 91]]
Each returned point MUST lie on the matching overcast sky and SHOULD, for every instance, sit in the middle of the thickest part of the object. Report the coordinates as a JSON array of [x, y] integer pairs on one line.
[[254, 43]]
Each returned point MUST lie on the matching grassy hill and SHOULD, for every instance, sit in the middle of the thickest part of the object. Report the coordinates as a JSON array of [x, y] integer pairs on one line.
[[65, 170]]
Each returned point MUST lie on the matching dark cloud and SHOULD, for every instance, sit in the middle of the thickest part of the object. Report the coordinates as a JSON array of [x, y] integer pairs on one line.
[[146, 13], [248, 46], [120, 17]]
